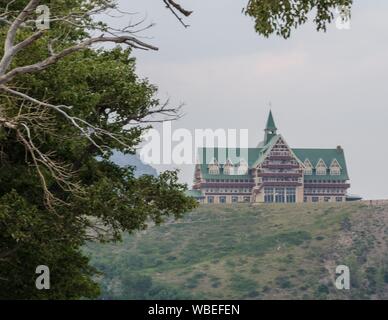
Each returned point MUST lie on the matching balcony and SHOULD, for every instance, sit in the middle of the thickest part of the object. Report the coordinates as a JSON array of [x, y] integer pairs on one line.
[[281, 184], [280, 166], [279, 174], [327, 185], [279, 157]]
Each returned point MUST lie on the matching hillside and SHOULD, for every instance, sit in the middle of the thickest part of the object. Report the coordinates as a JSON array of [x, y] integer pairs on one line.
[[133, 160], [252, 252]]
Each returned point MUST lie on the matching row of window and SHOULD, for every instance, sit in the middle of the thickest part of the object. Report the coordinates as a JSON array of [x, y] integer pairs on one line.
[[281, 162], [229, 180], [325, 199], [265, 179], [228, 190], [323, 190], [322, 171], [321, 168], [285, 152], [222, 199], [325, 181], [279, 195], [228, 170]]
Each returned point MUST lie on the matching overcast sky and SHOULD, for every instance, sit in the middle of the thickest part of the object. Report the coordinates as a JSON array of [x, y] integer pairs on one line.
[[326, 89]]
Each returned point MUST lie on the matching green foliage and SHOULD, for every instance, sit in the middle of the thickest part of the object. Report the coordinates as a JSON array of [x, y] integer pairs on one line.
[[280, 17], [30, 237], [99, 85]]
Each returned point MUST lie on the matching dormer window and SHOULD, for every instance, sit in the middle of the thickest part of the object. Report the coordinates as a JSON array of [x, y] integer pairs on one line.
[[308, 171], [242, 168], [321, 168], [228, 168], [213, 167], [335, 168]]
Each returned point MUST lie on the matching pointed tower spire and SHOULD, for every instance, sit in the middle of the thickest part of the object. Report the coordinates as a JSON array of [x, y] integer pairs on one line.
[[270, 128], [270, 122]]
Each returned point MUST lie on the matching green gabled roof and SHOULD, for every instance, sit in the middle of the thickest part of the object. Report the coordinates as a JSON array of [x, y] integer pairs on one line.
[[327, 155], [224, 154], [270, 122], [233, 154], [256, 155]]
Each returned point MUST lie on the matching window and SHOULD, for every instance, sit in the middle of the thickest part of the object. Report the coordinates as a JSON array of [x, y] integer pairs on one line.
[[335, 168], [321, 168], [247, 199], [222, 199], [326, 199], [234, 199], [210, 199], [279, 195], [242, 168], [305, 199], [291, 195], [315, 199], [228, 168], [213, 167], [268, 195], [338, 199], [308, 171]]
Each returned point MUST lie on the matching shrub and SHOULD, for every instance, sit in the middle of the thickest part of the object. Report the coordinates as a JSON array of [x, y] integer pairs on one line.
[[283, 282], [323, 289], [243, 284]]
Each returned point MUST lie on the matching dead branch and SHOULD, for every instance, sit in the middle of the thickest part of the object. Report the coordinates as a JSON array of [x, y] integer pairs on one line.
[[175, 8]]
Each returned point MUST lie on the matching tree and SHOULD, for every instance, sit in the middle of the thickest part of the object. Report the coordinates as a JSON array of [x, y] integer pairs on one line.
[[63, 107]]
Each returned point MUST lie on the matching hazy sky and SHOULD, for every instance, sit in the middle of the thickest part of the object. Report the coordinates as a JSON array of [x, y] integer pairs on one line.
[[326, 89]]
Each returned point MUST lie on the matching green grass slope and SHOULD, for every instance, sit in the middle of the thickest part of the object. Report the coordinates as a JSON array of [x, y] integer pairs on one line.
[[252, 252]]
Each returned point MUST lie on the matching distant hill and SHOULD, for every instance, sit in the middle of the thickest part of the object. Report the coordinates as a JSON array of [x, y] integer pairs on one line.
[[141, 168], [252, 252]]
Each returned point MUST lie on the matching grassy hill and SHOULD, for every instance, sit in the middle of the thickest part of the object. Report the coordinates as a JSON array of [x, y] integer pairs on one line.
[[252, 252]]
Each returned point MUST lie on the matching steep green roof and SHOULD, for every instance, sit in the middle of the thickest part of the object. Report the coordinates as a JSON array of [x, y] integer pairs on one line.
[[270, 122], [253, 156], [327, 155], [205, 156]]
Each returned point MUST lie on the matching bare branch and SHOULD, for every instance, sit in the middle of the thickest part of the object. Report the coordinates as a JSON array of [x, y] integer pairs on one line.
[[178, 7], [11, 35], [175, 8]]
